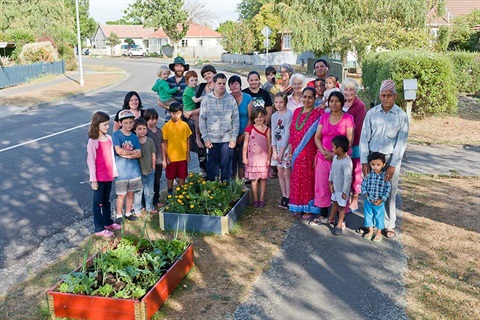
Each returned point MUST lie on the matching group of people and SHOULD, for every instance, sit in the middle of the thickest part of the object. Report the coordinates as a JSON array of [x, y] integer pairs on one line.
[[318, 137]]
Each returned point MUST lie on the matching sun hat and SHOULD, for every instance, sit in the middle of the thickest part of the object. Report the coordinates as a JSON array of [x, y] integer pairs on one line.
[[179, 60], [125, 114]]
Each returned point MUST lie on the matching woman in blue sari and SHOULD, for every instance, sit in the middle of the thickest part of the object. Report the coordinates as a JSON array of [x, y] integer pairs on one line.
[[302, 181]]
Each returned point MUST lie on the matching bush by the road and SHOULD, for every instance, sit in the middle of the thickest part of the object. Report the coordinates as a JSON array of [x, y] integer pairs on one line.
[[437, 91], [467, 70]]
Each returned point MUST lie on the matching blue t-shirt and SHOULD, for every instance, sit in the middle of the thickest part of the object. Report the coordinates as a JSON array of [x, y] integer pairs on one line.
[[127, 168], [243, 111]]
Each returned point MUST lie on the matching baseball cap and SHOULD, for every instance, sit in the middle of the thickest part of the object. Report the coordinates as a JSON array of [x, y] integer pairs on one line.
[[125, 114]]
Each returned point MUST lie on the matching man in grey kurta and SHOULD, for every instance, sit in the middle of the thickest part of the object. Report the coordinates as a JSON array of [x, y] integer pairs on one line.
[[385, 130], [219, 125]]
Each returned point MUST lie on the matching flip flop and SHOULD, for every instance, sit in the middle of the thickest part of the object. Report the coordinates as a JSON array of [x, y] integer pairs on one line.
[[377, 239], [389, 233], [367, 236]]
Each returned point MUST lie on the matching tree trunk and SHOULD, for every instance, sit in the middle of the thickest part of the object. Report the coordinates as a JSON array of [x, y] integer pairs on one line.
[[175, 49]]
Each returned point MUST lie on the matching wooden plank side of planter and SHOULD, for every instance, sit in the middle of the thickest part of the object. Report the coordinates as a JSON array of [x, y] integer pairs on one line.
[[155, 298], [203, 222], [77, 306]]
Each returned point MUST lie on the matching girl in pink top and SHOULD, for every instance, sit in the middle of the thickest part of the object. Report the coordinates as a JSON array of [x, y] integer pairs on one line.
[[102, 169], [257, 154]]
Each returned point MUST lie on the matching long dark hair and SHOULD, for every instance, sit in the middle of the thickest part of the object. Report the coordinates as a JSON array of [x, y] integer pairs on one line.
[[126, 101], [339, 95], [97, 118]]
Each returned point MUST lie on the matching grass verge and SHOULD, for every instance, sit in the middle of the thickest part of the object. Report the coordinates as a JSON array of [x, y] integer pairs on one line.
[[440, 237]]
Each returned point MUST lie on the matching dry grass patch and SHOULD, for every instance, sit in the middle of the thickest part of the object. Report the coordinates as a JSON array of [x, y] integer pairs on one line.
[[463, 128], [440, 237], [225, 270]]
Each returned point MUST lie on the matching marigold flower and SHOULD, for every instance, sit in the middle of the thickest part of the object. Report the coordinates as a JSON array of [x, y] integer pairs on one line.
[[203, 182], [192, 206], [180, 196], [178, 189], [169, 196], [188, 197], [211, 197]]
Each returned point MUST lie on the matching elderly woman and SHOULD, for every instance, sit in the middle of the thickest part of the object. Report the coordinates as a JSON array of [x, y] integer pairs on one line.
[[133, 103], [302, 181], [297, 82], [356, 108], [286, 72], [330, 125]]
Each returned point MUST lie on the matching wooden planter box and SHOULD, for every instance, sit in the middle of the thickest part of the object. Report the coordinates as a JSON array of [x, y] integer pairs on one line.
[[205, 223], [76, 306]]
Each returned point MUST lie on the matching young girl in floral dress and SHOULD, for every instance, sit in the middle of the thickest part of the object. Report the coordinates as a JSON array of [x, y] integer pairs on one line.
[[281, 154], [257, 154]]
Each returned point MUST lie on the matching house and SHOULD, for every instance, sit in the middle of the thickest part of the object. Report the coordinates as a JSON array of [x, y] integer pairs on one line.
[[200, 41], [453, 9], [137, 33]]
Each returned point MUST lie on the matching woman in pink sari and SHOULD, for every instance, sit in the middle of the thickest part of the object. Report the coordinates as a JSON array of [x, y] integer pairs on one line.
[[330, 125], [302, 181]]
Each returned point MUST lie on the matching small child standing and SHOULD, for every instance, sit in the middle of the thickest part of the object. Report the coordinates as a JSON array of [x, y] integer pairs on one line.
[[331, 86], [281, 153], [162, 88], [153, 132], [147, 166], [376, 191], [189, 105], [340, 180], [127, 151], [320, 92], [257, 154], [102, 169], [176, 147], [271, 86]]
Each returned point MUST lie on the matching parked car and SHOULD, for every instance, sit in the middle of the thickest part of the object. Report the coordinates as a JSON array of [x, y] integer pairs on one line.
[[126, 47], [137, 52]]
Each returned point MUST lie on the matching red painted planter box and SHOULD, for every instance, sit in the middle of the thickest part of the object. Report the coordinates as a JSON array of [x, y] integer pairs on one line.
[[77, 306]]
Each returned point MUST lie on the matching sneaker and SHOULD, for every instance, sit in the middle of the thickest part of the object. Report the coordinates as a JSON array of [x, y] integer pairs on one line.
[[338, 231], [119, 220], [131, 217], [113, 226], [104, 233]]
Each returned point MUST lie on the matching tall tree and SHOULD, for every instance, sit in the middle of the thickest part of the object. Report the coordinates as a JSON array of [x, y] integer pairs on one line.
[[87, 23], [238, 37], [462, 34], [316, 25], [266, 17], [168, 15], [247, 9]]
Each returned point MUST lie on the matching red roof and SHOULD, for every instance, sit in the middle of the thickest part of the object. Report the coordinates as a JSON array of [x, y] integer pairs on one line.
[[454, 8], [195, 31], [127, 31]]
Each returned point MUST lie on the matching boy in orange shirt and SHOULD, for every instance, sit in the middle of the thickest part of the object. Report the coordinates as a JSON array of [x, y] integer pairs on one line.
[[176, 147]]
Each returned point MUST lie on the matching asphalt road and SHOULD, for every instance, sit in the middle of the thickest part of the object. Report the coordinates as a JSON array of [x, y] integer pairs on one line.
[[45, 196]]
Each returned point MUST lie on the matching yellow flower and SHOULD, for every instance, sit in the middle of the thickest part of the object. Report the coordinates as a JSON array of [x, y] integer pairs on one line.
[[209, 191], [178, 189], [180, 196], [179, 201], [203, 182], [184, 192], [191, 174], [192, 206], [211, 197], [167, 208], [169, 196], [188, 197], [191, 183]]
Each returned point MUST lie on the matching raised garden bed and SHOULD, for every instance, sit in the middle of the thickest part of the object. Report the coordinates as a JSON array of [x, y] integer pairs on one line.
[[203, 222], [81, 306]]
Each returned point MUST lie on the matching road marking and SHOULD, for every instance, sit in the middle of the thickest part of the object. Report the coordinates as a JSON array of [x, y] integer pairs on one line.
[[46, 137]]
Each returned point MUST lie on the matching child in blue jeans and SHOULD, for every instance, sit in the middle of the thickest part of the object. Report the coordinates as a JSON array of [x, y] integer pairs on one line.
[[376, 191]]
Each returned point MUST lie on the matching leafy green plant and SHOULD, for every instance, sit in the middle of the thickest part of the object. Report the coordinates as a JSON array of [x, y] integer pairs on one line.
[[199, 196], [127, 271]]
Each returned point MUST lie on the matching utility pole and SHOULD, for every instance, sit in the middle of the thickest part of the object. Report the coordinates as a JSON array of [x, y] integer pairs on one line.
[[79, 45]]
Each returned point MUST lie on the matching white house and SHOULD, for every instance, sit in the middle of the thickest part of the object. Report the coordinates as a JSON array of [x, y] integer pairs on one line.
[[137, 33], [200, 41]]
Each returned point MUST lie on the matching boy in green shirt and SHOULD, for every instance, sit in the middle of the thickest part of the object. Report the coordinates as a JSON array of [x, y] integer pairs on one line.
[[189, 102], [162, 88]]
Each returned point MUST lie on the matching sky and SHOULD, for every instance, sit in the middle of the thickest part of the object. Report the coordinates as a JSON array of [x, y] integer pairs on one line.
[[110, 10]]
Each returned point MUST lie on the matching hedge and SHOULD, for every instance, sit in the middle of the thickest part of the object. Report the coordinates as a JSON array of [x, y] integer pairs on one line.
[[467, 70], [437, 91]]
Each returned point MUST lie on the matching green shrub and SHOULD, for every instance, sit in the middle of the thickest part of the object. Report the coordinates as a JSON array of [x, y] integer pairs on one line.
[[67, 53], [437, 91], [466, 69], [38, 51]]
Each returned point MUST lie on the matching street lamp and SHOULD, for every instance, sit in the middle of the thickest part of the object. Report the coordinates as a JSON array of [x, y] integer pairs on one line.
[[79, 45]]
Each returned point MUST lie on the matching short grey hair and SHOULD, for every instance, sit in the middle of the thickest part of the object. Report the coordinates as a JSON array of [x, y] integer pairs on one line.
[[350, 83], [298, 76], [287, 67]]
